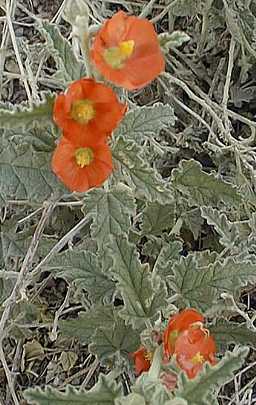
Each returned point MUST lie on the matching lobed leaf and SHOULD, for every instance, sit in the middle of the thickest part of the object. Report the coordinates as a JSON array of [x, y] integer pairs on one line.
[[156, 218], [69, 68], [172, 40], [145, 180], [87, 322], [228, 232], [104, 392], [201, 188], [110, 211], [146, 121], [26, 116], [226, 332], [25, 174], [201, 287], [143, 297], [116, 340], [84, 269]]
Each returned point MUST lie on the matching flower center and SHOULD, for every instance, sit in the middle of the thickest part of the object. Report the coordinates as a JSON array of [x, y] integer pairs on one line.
[[116, 56], [173, 337], [197, 359], [84, 157], [148, 356], [82, 111]]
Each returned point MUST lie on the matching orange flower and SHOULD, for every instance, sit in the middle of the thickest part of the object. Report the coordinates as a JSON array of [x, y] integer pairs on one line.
[[193, 348], [126, 51], [177, 324], [142, 360], [87, 111], [81, 167]]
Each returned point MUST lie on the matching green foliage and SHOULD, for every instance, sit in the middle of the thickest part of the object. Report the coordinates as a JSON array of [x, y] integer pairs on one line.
[[201, 287], [104, 392], [87, 322], [169, 254], [68, 67], [114, 341], [84, 269], [228, 232], [200, 390], [201, 188], [110, 211], [173, 40], [25, 174], [226, 332], [144, 180], [26, 116], [157, 218], [146, 122], [143, 297]]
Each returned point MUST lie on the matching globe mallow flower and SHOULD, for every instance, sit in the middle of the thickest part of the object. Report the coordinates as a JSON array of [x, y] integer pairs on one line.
[[82, 166], [87, 111], [126, 51]]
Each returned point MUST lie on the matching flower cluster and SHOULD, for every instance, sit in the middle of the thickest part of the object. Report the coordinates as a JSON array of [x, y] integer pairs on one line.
[[126, 52], [187, 340]]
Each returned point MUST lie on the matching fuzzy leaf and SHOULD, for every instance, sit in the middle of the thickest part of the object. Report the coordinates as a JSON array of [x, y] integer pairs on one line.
[[146, 121], [86, 324], [187, 8], [199, 391], [26, 174], [226, 332], [104, 392], [200, 287], [201, 188], [169, 254], [173, 40], [68, 67], [145, 180], [111, 212], [84, 269], [118, 339], [142, 298], [25, 116], [228, 232], [157, 218]]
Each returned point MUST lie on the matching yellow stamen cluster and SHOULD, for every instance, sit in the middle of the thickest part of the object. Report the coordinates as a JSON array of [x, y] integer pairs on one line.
[[116, 56], [83, 157], [197, 359], [82, 111]]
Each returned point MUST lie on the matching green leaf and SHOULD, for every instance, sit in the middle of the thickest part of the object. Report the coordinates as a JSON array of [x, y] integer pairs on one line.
[[116, 340], [169, 254], [174, 40], [26, 116], [26, 174], [68, 67], [146, 121], [226, 332], [201, 188], [111, 212], [199, 391], [146, 181], [84, 269], [143, 297], [201, 287], [228, 232], [104, 392], [84, 327], [157, 218]]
